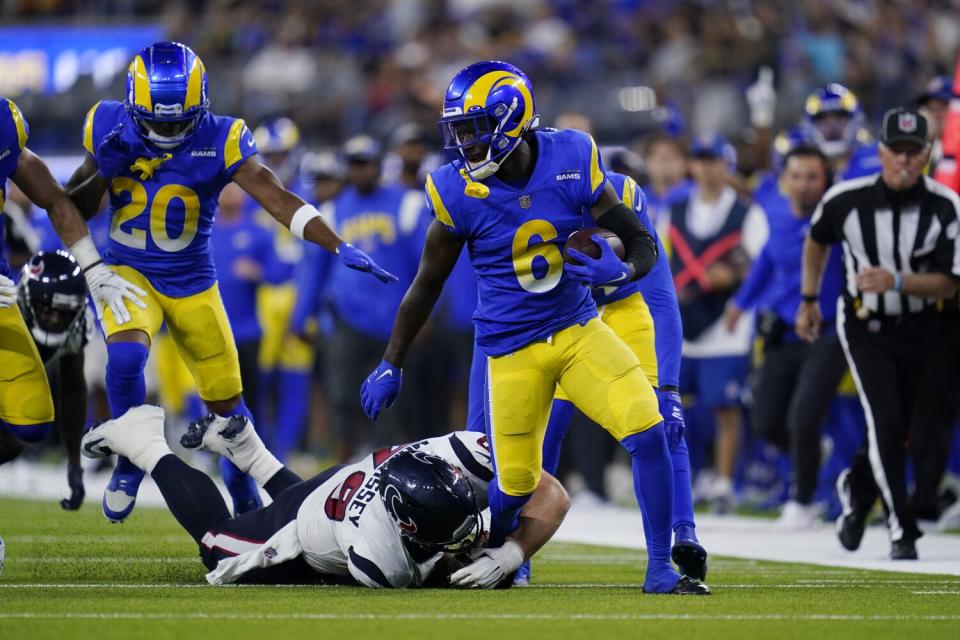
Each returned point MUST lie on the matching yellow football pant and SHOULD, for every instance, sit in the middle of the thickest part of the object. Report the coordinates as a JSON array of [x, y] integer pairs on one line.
[[599, 373], [24, 391]]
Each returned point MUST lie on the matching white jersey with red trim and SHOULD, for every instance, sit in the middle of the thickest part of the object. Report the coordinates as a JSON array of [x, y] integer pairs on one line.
[[344, 528]]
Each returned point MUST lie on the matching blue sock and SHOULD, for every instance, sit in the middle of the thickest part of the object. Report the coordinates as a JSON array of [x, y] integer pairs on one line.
[[561, 413], [194, 408], [28, 432], [653, 485], [683, 523], [504, 513], [125, 386], [292, 412], [240, 486]]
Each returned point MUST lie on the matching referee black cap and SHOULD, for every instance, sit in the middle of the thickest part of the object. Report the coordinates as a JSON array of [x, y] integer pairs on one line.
[[903, 125]]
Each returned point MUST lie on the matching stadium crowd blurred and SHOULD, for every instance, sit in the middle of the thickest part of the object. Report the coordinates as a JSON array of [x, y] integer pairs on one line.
[[343, 99]]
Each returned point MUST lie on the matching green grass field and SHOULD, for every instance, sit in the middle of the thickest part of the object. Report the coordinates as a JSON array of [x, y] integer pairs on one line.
[[72, 576]]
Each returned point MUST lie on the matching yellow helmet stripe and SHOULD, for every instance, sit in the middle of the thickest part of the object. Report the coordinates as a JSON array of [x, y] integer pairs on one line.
[[438, 207], [480, 90], [194, 85], [596, 176], [88, 129], [813, 104], [231, 149], [18, 123], [141, 84]]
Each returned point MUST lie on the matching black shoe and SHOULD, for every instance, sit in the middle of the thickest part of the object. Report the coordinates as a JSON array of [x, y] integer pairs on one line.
[[903, 549], [851, 523], [691, 558], [688, 586]]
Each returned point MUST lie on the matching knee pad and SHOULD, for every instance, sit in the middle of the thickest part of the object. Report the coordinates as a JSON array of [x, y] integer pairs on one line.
[[518, 481], [28, 432]]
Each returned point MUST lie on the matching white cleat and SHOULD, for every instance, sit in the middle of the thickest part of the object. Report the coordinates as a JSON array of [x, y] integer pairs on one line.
[[136, 434], [798, 516]]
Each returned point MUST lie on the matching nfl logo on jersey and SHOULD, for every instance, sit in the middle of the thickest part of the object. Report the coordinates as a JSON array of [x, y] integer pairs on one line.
[[525, 201]]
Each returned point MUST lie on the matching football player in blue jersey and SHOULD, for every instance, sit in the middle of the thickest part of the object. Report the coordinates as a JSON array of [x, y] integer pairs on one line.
[[164, 159], [513, 196], [834, 121], [26, 408]]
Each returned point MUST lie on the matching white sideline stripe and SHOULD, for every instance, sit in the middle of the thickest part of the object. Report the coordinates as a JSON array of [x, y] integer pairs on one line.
[[935, 593], [470, 616]]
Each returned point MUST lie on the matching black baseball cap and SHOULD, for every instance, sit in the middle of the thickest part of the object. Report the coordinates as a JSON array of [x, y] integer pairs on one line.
[[903, 125]]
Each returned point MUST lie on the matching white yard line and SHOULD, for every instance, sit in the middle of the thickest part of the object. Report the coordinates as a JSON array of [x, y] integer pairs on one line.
[[128, 615]]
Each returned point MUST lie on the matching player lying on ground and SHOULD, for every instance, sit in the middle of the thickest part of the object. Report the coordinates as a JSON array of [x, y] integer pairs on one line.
[[389, 520]]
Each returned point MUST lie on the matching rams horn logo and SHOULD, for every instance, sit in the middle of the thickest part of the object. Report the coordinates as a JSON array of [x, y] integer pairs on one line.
[[394, 502]]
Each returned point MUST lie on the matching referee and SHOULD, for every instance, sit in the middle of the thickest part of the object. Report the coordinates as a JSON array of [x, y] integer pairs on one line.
[[901, 254]]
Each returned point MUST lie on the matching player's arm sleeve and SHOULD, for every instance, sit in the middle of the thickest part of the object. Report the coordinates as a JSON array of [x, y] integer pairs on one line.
[[827, 221], [596, 176], [472, 455], [438, 208], [758, 278], [238, 146], [365, 571]]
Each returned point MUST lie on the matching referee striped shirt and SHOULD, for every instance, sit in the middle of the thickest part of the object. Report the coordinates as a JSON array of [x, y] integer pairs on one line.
[[911, 231]]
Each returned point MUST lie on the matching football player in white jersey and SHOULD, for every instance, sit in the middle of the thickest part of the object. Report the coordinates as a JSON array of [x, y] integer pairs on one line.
[[405, 516]]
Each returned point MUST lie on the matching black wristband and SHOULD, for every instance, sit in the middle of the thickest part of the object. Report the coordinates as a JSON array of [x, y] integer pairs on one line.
[[669, 388], [810, 297], [91, 266]]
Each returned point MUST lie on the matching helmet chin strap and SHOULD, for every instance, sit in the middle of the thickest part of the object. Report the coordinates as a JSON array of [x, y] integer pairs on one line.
[[489, 167]]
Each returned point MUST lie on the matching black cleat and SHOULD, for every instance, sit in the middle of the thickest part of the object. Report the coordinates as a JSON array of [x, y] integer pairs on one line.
[[904, 549], [851, 523], [691, 558], [688, 586]]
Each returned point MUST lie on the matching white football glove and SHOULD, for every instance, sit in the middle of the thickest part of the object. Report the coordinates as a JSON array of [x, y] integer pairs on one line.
[[489, 567], [762, 99], [106, 287], [8, 292]]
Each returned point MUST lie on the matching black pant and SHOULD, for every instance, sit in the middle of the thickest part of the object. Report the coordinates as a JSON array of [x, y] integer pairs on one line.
[[888, 360], [795, 385], [249, 352], [350, 357], [937, 409]]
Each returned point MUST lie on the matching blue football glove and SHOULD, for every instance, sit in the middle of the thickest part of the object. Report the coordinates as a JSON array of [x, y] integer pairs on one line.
[[381, 388], [114, 154], [608, 269], [353, 258], [671, 408]]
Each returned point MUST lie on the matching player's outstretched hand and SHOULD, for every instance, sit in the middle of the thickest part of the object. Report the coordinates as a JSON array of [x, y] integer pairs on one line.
[[8, 292], [489, 567], [110, 290], [381, 388], [608, 269], [671, 408], [354, 258]]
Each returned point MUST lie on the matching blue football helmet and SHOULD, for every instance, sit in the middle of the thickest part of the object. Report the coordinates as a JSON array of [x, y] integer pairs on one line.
[[431, 501], [487, 109], [167, 93], [278, 140], [832, 117]]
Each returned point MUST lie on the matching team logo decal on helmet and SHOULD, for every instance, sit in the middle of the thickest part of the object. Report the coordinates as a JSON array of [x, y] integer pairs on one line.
[[487, 109], [167, 93]]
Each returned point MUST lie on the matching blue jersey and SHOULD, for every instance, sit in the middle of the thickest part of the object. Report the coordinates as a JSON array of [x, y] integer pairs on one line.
[[287, 248], [515, 237], [233, 243], [162, 202], [864, 161], [658, 207], [13, 138]]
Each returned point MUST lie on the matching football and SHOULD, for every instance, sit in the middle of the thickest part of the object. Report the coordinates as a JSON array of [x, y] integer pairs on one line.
[[582, 241]]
